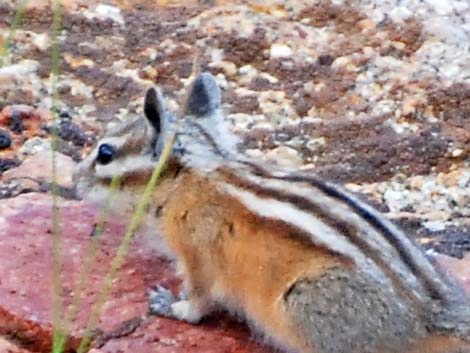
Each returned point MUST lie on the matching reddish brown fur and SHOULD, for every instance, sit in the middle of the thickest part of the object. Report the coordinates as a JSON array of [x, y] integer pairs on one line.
[[246, 261]]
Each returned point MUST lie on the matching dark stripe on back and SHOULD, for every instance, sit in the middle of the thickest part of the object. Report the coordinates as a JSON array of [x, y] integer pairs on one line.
[[436, 287], [433, 285], [343, 227]]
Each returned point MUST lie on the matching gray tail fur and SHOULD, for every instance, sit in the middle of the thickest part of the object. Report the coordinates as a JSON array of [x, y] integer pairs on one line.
[[344, 311], [452, 320]]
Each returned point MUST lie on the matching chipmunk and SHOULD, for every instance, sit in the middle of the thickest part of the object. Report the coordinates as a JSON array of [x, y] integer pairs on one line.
[[309, 265]]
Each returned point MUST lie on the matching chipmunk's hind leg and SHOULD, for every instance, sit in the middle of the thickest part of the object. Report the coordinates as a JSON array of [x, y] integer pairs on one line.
[[344, 311]]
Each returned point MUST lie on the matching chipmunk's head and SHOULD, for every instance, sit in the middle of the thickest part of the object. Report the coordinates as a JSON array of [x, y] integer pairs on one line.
[[129, 150], [132, 149]]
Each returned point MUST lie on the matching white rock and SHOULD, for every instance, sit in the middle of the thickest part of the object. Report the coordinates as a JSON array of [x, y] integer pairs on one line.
[[435, 226], [457, 153], [35, 145], [42, 41], [229, 67], [24, 67], [39, 166], [285, 156], [247, 69], [394, 200], [279, 51], [442, 7], [400, 13], [254, 153], [461, 6], [103, 12]]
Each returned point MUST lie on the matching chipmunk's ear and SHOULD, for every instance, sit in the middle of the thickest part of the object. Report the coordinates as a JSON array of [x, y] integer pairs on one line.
[[154, 108], [204, 97]]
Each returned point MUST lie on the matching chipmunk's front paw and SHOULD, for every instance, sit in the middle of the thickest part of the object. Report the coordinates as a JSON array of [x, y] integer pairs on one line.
[[162, 302]]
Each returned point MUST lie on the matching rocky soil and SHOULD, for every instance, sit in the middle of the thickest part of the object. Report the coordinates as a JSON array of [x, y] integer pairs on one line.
[[374, 95]]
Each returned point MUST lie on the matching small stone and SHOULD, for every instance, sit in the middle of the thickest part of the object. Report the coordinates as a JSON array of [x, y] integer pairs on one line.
[[104, 11], [149, 72], [450, 179], [42, 41], [313, 144], [441, 7], [9, 347], [341, 61], [366, 24], [416, 182], [21, 118], [34, 145], [19, 70], [247, 69], [254, 153], [70, 131], [457, 153], [39, 166], [8, 163], [228, 67], [434, 226], [285, 156], [325, 60], [280, 51], [5, 139], [77, 62], [394, 199]]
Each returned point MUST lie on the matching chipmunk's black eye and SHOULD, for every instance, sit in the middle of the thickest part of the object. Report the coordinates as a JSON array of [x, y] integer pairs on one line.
[[106, 153]]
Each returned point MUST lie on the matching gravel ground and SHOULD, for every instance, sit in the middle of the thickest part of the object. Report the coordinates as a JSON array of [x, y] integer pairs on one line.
[[367, 93], [374, 95]]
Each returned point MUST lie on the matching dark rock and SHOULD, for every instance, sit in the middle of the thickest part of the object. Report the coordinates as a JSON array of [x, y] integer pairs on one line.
[[8, 163], [70, 131], [5, 139], [325, 60]]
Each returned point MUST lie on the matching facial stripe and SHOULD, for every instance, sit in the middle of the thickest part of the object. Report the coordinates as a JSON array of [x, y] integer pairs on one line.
[[126, 165]]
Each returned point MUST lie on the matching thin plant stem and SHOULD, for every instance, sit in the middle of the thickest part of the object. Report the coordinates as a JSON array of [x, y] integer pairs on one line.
[[56, 231], [90, 257], [124, 246], [5, 50]]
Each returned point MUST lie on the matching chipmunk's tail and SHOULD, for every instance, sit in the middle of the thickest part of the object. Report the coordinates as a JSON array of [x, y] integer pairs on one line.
[[452, 320]]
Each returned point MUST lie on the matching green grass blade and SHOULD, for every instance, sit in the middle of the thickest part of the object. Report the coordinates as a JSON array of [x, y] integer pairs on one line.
[[56, 231], [5, 50], [90, 257], [124, 246]]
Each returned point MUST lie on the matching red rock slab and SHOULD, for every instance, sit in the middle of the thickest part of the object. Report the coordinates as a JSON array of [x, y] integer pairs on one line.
[[26, 284], [215, 334], [39, 167], [8, 347]]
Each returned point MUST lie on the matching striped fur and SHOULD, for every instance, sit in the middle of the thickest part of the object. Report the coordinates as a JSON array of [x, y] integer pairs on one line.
[[334, 217]]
